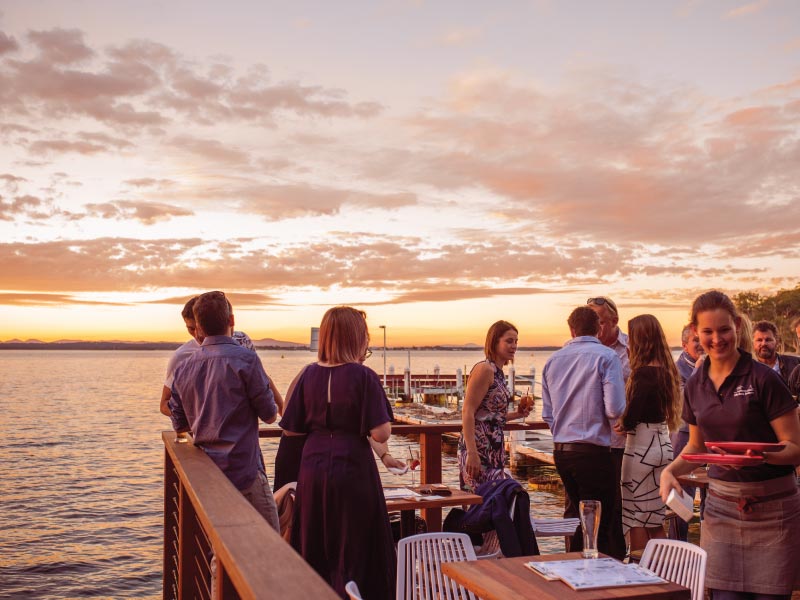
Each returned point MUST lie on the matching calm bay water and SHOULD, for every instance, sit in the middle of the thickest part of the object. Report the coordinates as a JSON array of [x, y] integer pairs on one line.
[[81, 465]]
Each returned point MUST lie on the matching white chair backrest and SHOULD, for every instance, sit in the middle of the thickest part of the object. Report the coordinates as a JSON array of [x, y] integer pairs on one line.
[[680, 562], [352, 591], [419, 559]]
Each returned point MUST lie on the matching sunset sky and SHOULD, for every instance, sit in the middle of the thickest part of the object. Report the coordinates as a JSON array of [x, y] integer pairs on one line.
[[440, 164]]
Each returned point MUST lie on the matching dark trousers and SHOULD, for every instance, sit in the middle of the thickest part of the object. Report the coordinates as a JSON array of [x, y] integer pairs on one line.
[[589, 475], [678, 528], [618, 546]]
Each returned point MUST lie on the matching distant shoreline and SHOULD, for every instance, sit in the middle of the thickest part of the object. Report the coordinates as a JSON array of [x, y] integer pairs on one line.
[[174, 345]]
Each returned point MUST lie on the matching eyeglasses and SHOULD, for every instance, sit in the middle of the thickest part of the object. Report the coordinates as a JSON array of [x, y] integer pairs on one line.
[[367, 354], [602, 301]]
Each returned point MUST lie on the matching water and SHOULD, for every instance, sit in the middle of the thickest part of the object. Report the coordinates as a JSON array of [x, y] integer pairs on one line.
[[81, 465]]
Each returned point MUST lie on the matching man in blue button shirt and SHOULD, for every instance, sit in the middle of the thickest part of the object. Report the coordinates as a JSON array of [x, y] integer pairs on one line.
[[219, 393], [583, 395]]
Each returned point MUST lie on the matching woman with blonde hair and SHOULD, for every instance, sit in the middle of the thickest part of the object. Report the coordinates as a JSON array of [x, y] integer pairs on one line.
[[653, 406], [340, 523], [751, 525]]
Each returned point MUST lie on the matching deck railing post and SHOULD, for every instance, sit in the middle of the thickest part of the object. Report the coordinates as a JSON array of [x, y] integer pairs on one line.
[[170, 563], [430, 452]]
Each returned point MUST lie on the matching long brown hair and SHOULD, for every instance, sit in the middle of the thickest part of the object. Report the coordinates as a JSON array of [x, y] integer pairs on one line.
[[343, 335], [647, 344], [493, 336]]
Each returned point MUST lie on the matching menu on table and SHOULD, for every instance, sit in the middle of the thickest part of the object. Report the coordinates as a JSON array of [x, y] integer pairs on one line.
[[393, 493], [589, 573]]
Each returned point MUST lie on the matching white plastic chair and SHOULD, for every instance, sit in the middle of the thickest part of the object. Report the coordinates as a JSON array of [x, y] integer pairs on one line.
[[419, 559], [555, 528], [352, 591], [679, 562]]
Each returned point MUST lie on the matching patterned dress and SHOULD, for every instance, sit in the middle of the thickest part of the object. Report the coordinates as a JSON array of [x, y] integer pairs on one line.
[[490, 419]]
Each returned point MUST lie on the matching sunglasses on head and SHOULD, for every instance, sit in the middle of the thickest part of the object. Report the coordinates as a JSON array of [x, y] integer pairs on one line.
[[600, 301]]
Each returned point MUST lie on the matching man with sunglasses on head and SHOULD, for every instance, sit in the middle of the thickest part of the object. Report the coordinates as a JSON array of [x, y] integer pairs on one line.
[[612, 337]]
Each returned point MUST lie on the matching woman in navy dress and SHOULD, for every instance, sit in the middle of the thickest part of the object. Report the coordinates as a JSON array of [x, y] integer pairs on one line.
[[340, 523]]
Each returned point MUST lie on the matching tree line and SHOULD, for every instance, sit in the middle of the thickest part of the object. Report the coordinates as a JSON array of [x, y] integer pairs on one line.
[[782, 308]]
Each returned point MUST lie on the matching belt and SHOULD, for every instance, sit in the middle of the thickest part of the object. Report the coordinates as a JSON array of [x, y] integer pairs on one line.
[[584, 447], [745, 503]]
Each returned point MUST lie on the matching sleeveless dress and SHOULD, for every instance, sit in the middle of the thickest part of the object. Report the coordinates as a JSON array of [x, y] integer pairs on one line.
[[490, 419], [340, 525]]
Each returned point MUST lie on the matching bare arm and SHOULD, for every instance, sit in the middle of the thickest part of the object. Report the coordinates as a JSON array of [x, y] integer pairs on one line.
[[787, 430], [381, 449], [382, 432], [277, 395], [289, 393], [166, 393], [479, 381], [678, 467]]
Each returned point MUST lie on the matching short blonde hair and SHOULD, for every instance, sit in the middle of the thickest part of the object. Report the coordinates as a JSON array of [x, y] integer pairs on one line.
[[343, 335]]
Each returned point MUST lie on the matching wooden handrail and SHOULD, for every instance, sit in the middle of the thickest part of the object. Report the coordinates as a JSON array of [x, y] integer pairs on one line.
[[204, 512]]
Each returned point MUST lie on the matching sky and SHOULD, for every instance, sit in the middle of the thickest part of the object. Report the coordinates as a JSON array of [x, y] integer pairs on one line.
[[441, 165]]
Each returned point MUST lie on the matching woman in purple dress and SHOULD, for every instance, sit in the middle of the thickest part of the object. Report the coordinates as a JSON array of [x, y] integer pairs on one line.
[[481, 448], [340, 523]]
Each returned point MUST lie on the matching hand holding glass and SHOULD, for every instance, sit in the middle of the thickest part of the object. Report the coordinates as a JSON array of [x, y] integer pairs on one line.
[[590, 523]]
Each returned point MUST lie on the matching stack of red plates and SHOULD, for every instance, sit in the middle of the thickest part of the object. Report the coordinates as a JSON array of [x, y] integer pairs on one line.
[[736, 456]]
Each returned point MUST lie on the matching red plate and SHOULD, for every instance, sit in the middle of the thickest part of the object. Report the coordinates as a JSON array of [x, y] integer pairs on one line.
[[742, 447], [736, 460]]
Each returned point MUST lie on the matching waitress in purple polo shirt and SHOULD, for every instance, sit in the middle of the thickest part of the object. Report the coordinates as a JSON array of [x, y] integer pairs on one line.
[[751, 529]]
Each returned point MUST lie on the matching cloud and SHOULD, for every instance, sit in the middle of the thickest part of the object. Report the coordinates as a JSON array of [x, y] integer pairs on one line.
[[61, 46], [20, 206], [7, 43], [146, 84], [747, 9], [146, 212], [86, 143], [461, 36], [146, 182], [634, 164], [212, 150], [35, 299]]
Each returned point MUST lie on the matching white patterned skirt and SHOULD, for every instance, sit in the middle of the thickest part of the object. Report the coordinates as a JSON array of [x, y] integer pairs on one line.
[[647, 451]]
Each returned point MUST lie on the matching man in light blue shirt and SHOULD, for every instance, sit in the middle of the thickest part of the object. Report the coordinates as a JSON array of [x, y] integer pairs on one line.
[[583, 395], [219, 393]]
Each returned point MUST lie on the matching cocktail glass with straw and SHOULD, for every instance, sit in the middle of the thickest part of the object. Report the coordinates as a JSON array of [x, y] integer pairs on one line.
[[413, 463]]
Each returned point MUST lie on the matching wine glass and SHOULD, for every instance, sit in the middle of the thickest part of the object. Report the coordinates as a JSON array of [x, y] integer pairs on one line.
[[413, 463]]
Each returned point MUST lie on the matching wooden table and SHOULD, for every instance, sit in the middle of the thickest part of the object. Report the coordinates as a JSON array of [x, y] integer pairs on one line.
[[509, 578], [409, 506]]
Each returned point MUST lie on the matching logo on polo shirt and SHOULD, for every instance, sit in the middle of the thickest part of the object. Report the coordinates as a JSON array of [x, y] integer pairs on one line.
[[744, 391]]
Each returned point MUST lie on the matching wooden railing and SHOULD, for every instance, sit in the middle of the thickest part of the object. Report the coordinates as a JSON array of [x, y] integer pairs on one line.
[[205, 516], [430, 443]]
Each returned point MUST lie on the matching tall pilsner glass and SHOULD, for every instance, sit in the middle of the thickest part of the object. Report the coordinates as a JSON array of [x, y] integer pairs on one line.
[[590, 523]]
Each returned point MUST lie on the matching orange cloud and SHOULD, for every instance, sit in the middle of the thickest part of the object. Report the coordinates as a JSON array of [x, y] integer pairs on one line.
[[146, 212]]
